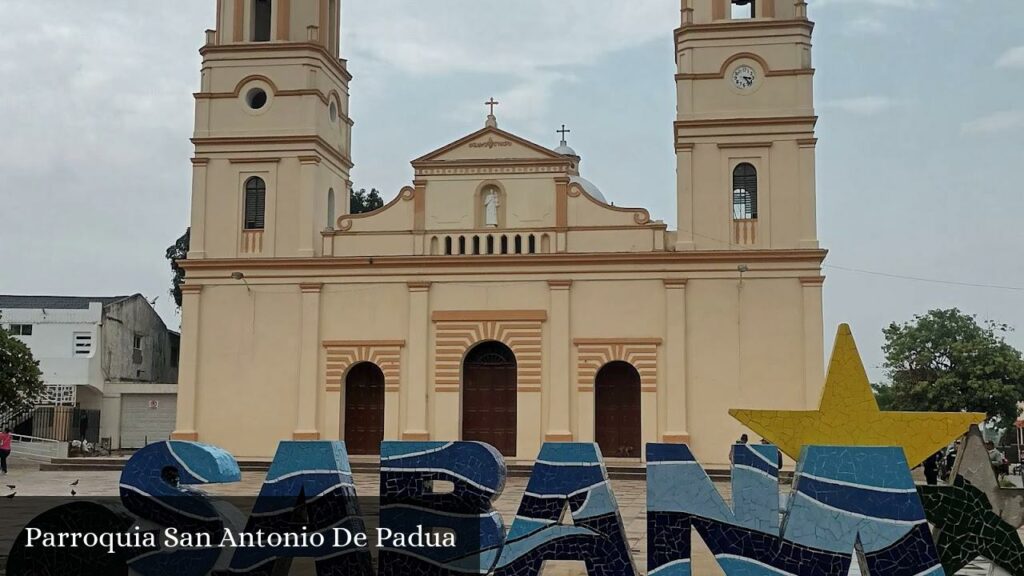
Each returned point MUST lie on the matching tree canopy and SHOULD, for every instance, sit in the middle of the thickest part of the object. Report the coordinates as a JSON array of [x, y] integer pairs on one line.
[[946, 361], [363, 201], [175, 252], [21, 381]]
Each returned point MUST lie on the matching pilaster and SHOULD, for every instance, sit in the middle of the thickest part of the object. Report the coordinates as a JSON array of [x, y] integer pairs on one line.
[[415, 401], [814, 352], [188, 371], [559, 378], [677, 404], [307, 386]]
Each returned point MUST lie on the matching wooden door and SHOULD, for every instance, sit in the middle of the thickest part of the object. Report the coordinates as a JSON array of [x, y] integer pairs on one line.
[[489, 397], [364, 409], [617, 407]]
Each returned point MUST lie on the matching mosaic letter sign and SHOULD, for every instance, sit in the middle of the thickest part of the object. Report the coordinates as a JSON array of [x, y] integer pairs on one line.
[[853, 499]]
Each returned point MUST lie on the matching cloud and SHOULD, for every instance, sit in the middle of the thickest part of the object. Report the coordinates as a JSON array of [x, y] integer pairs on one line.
[[1012, 58], [863, 25], [996, 123], [881, 3], [531, 48], [862, 106]]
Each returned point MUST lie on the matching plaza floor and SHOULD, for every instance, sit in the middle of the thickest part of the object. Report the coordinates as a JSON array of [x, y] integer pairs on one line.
[[630, 494]]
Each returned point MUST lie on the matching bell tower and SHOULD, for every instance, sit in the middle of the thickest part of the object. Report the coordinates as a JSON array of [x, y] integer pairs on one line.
[[744, 133], [272, 130]]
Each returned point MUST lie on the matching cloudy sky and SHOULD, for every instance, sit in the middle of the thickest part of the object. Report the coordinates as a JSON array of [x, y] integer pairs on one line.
[[919, 154]]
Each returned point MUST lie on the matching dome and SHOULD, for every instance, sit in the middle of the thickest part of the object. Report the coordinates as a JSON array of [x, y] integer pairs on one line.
[[589, 187], [565, 150]]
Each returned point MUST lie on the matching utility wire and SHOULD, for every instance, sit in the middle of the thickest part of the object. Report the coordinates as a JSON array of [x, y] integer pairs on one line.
[[928, 280]]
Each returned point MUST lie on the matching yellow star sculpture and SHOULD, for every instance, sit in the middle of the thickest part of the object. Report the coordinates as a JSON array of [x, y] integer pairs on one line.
[[849, 415]]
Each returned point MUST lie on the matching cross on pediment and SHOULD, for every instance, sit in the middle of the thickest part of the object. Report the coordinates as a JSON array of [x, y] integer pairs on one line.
[[492, 103]]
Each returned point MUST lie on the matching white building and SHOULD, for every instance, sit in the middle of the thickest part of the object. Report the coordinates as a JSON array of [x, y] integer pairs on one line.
[[113, 355]]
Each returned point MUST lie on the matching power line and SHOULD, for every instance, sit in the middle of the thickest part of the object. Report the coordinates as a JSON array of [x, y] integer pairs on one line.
[[730, 243], [927, 280]]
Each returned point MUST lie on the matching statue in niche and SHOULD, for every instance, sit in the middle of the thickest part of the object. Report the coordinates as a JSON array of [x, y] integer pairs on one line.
[[491, 203]]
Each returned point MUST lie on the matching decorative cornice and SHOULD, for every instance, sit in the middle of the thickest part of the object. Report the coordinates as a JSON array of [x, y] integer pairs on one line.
[[612, 341], [376, 343], [334, 63], [254, 160], [311, 287], [675, 282], [191, 288], [200, 161], [736, 145], [418, 286], [315, 140], [744, 25], [309, 160], [807, 142], [560, 284], [559, 259], [811, 281], [489, 315], [757, 121]]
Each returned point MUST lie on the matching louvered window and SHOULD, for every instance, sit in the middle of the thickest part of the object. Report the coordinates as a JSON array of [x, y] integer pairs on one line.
[[261, 11], [744, 192], [255, 203]]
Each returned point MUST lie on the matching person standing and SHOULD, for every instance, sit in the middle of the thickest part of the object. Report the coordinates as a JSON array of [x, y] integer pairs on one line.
[[931, 469], [5, 449]]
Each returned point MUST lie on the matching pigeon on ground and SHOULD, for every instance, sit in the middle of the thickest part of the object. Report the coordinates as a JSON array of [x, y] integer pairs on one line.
[[11, 495], [73, 493]]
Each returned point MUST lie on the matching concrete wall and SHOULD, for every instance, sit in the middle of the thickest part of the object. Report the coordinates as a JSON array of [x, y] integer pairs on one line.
[[154, 362], [53, 343]]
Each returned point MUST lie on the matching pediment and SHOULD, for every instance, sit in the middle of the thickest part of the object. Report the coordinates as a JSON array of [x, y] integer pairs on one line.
[[490, 144]]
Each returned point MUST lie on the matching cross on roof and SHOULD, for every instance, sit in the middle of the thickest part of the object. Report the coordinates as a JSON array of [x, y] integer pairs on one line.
[[563, 132], [492, 103]]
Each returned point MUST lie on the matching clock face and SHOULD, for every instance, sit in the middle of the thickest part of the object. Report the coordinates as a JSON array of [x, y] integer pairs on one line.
[[743, 77]]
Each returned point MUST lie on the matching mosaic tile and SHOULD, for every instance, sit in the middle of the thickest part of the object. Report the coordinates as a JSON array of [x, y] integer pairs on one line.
[[844, 497], [568, 513], [975, 516], [153, 487], [409, 474]]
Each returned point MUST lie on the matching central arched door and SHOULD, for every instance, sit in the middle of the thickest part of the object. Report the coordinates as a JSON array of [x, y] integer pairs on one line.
[[489, 397], [364, 409], [617, 407]]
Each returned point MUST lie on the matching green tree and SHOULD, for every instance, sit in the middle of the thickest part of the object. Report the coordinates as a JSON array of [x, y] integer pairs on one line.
[[946, 361], [363, 201], [21, 381], [176, 252]]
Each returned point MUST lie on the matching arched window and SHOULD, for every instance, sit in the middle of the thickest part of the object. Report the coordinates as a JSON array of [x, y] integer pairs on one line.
[[744, 192], [255, 203], [261, 16], [330, 209]]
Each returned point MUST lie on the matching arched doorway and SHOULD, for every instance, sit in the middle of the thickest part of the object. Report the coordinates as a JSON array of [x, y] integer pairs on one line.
[[617, 410], [364, 409], [489, 397]]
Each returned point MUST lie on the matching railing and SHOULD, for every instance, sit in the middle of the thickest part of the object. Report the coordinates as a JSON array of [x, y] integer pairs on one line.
[[744, 232], [490, 243], [39, 449], [252, 241]]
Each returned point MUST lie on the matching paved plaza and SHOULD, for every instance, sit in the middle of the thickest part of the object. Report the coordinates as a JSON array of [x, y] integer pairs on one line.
[[630, 494]]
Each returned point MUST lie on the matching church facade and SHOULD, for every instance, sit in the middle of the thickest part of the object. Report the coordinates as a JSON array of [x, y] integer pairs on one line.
[[499, 296]]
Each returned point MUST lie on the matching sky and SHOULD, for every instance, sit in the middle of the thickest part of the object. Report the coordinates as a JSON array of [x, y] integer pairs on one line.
[[920, 132]]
